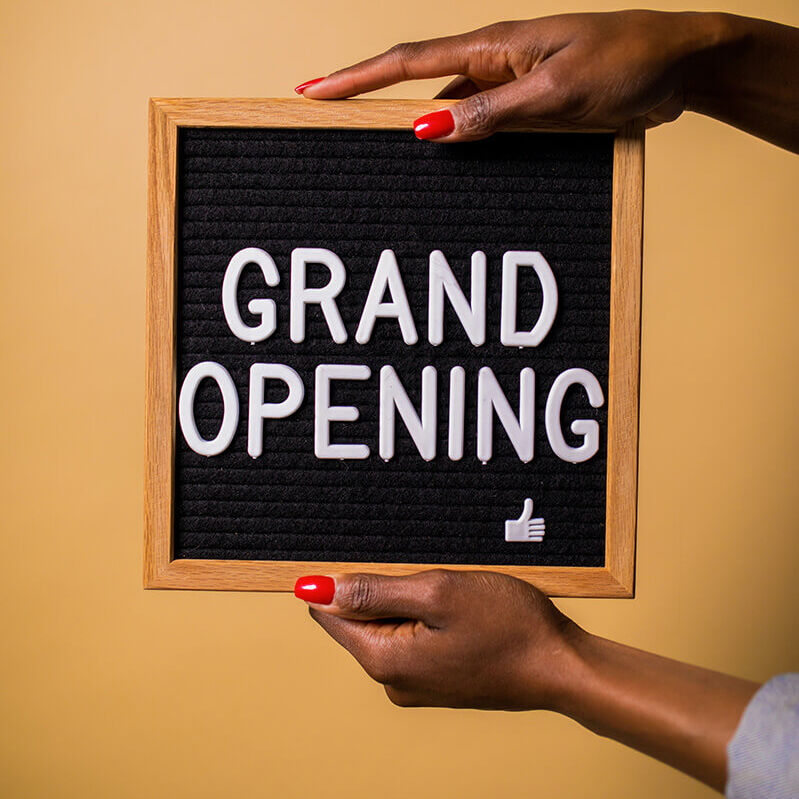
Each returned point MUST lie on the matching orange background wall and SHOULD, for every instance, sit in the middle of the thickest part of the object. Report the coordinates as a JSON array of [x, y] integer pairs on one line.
[[107, 690]]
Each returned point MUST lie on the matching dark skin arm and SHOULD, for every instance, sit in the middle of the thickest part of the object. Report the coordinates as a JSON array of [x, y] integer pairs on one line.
[[485, 640], [477, 639], [601, 70]]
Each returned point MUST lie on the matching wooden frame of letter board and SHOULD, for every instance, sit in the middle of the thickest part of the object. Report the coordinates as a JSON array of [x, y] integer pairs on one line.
[[161, 570]]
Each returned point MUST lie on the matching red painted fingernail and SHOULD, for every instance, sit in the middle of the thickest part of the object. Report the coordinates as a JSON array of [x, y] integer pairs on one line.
[[435, 125], [303, 86], [315, 588]]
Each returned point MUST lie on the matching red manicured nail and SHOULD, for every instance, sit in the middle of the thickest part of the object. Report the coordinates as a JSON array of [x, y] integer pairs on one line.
[[303, 86], [315, 588], [435, 125]]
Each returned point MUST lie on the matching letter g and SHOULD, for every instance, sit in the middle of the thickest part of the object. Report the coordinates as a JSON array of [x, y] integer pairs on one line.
[[230, 288]]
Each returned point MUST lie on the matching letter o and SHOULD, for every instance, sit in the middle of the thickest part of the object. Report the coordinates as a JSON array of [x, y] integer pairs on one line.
[[230, 416]]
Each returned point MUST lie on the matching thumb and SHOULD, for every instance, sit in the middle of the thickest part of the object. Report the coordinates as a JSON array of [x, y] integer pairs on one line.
[[375, 596], [527, 511], [532, 96]]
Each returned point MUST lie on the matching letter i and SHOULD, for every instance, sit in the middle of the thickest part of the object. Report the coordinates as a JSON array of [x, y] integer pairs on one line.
[[457, 402]]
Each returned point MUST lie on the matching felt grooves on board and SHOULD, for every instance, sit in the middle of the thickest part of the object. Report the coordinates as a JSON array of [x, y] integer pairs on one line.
[[357, 193]]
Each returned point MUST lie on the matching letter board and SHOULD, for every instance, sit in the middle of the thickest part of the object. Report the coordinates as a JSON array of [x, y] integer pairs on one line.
[[367, 352]]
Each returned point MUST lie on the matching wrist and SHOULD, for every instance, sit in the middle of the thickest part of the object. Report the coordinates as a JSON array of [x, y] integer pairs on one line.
[[556, 675], [711, 42], [582, 684], [587, 680]]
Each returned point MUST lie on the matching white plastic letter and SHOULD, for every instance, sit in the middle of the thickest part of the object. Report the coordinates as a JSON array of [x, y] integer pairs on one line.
[[230, 414], [472, 314], [230, 287], [324, 413], [394, 398], [509, 335], [457, 404], [260, 410], [325, 296], [387, 276], [588, 428], [490, 399]]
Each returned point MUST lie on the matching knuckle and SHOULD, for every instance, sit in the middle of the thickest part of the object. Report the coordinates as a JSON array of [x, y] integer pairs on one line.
[[477, 112], [381, 669], [360, 593], [400, 49], [387, 662], [502, 29], [574, 105], [400, 698], [401, 53], [439, 583], [564, 94], [550, 80]]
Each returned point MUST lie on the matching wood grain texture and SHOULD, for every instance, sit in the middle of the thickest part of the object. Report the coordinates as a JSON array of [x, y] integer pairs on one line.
[[301, 113], [159, 419], [616, 579], [625, 346], [251, 575]]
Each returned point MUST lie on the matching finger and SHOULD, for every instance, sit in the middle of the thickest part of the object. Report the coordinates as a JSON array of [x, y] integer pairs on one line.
[[667, 111], [422, 597], [433, 58], [464, 86], [350, 633], [380, 654], [534, 96], [403, 698], [458, 88]]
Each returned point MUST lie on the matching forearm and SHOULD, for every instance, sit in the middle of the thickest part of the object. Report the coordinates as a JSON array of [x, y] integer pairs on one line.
[[680, 714], [746, 73]]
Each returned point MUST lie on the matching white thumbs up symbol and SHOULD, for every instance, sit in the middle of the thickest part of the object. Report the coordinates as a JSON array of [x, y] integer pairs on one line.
[[525, 528]]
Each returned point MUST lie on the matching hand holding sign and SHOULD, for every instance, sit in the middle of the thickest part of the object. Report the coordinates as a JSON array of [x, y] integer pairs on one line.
[[453, 639], [488, 641], [570, 67], [598, 70], [480, 640]]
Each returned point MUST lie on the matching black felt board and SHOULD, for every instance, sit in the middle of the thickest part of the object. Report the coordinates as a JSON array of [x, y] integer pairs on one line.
[[356, 193]]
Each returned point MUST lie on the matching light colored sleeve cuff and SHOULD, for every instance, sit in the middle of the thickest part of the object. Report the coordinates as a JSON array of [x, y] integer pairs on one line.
[[763, 754]]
